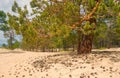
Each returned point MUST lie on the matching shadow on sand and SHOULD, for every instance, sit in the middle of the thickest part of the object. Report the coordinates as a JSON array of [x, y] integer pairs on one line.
[[114, 56]]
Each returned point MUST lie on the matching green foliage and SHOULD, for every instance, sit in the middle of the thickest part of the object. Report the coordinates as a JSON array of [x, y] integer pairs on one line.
[[16, 44], [117, 29], [4, 45], [6, 28], [100, 35], [106, 32], [51, 26], [15, 6], [2, 17], [87, 28], [3, 23]]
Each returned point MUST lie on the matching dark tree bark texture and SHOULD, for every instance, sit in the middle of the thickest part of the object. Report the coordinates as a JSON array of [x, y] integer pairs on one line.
[[85, 43]]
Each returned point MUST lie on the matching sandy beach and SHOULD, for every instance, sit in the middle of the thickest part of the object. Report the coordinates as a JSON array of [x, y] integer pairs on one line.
[[24, 64]]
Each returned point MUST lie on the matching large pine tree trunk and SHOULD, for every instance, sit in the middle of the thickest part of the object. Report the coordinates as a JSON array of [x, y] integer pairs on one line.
[[85, 44]]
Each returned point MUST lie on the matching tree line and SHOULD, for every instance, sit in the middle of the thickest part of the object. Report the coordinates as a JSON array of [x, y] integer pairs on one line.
[[62, 25]]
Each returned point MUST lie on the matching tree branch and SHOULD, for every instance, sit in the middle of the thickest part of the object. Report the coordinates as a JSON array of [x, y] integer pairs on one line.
[[88, 16]]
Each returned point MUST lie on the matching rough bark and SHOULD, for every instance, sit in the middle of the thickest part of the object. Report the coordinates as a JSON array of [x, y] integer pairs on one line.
[[85, 43]]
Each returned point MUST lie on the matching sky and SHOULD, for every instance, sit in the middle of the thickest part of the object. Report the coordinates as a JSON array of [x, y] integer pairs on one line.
[[6, 5], [2, 39]]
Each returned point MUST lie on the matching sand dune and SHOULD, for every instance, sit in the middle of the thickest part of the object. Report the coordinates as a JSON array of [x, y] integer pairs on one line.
[[24, 64]]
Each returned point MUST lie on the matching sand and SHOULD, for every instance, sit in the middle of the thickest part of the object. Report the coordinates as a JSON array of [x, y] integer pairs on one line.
[[24, 64]]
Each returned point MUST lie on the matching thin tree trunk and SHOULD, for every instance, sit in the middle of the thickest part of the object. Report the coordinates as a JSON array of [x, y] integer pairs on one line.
[[78, 49], [79, 44], [10, 42], [73, 47], [43, 49]]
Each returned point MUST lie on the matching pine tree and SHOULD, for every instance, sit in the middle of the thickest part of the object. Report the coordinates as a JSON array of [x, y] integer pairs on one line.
[[8, 31], [3, 21], [68, 13], [55, 21]]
